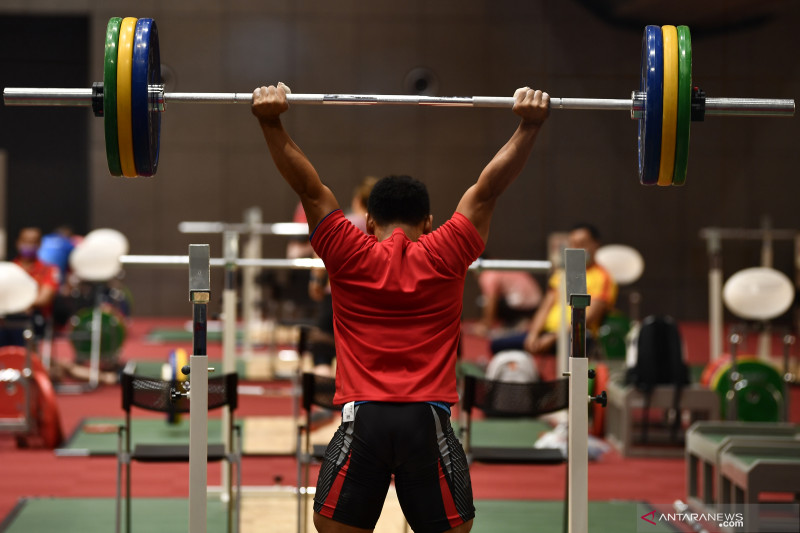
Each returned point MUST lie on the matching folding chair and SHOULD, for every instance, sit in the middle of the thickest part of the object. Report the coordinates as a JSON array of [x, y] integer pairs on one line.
[[511, 400], [319, 391], [158, 395]]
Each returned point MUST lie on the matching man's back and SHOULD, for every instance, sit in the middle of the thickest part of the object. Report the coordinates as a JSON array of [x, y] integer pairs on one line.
[[397, 308]]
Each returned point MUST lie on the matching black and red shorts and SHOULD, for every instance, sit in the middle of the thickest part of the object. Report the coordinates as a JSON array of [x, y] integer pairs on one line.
[[412, 441]]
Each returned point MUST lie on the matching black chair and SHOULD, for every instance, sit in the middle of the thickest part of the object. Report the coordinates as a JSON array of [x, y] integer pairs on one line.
[[511, 400], [316, 391], [514, 400], [157, 395]]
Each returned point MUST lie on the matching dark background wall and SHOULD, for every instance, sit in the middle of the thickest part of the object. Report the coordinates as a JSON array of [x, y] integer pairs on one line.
[[214, 164], [47, 149]]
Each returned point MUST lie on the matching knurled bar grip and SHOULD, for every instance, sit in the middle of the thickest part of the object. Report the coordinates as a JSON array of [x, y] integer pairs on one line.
[[29, 96]]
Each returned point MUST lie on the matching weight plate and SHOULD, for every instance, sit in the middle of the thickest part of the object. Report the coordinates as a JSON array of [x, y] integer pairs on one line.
[[124, 64], [651, 85], [44, 408], [14, 357], [112, 336], [598, 411], [710, 370], [47, 414], [759, 395], [177, 360], [669, 107], [110, 97], [145, 118], [684, 105]]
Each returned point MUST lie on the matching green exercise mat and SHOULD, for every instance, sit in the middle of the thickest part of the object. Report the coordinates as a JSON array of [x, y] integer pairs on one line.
[[167, 515], [505, 432], [261, 435], [90, 515], [513, 516], [98, 436], [182, 335]]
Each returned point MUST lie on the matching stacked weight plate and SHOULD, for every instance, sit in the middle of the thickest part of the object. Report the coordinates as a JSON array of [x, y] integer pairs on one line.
[[131, 115], [666, 83]]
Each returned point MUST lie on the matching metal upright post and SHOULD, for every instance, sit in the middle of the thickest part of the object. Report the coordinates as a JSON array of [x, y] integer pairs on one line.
[[199, 294], [250, 292], [578, 454], [764, 348], [734, 376], [230, 245], [714, 244], [96, 341]]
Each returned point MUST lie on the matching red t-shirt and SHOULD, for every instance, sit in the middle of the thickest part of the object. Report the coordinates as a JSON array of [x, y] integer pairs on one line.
[[45, 275], [396, 308]]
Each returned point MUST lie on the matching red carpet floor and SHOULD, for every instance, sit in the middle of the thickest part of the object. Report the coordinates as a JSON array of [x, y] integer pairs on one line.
[[38, 472]]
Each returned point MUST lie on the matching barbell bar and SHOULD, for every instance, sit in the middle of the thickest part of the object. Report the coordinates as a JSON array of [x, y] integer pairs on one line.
[[269, 228], [182, 261], [132, 81], [65, 97]]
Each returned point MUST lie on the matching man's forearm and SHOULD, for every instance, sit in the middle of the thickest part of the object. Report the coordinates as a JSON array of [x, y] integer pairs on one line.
[[298, 172], [508, 163], [290, 160]]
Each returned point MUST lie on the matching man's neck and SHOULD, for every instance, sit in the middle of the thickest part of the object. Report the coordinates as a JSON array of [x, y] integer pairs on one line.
[[412, 232]]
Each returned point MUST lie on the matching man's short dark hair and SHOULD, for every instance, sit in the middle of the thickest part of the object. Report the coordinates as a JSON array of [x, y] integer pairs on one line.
[[591, 228], [399, 199]]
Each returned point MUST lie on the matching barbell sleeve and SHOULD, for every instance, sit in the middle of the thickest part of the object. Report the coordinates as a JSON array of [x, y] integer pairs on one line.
[[27, 96]]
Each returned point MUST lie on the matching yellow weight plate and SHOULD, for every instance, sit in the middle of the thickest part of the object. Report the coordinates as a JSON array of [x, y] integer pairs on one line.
[[124, 65], [669, 121]]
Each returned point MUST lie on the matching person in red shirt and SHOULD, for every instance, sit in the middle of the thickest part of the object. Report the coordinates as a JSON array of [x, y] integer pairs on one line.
[[397, 297], [47, 278]]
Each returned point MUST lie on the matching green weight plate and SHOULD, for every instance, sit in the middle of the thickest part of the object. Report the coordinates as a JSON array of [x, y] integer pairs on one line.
[[112, 335], [761, 394], [110, 97], [684, 105]]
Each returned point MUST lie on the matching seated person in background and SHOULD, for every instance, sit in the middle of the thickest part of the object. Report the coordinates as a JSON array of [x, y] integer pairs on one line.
[[508, 296], [543, 332], [48, 279]]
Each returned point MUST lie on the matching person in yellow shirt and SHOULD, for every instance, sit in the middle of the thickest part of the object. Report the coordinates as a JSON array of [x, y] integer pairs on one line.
[[543, 331]]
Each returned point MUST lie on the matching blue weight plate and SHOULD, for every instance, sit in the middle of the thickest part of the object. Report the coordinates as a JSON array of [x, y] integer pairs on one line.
[[652, 85], [145, 117]]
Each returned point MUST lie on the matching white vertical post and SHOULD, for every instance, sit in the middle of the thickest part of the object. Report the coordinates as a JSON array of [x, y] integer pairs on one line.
[[714, 244], [96, 338], [578, 453], [250, 293], [578, 458], [230, 246], [199, 294], [764, 348]]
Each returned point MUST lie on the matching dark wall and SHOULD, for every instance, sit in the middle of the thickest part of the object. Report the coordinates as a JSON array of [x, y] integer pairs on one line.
[[48, 176], [214, 164]]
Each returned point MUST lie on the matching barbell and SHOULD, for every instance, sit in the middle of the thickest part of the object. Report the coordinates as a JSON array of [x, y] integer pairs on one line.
[[131, 98]]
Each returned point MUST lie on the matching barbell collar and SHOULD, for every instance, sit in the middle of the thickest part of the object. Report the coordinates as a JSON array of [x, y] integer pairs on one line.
[[27, 96]]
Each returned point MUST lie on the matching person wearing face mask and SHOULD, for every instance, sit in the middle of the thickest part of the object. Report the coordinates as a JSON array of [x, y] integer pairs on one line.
[[47, 278]]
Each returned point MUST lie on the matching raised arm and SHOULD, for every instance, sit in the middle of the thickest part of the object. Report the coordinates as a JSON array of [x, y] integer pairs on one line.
[[479, 200], [294, 166]]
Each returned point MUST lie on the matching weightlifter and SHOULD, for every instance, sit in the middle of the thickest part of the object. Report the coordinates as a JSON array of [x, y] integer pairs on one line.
[[397, 298]]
